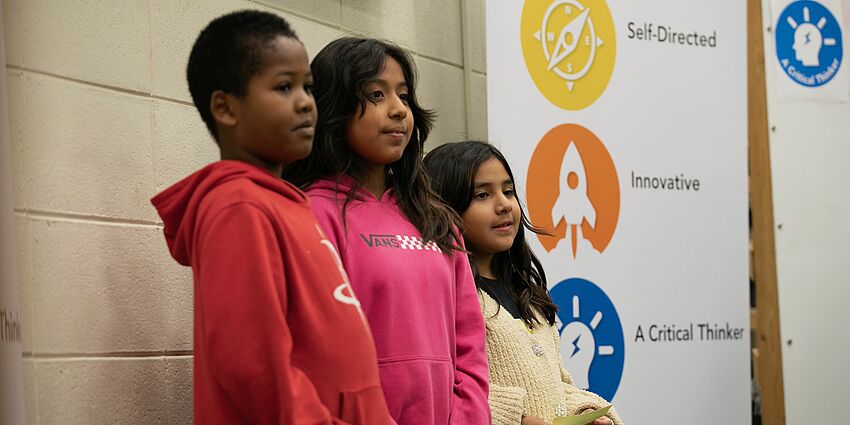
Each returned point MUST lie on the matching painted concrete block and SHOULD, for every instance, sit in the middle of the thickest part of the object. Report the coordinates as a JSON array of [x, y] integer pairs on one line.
[[328, 11], [314, 36], [25, 295], [478, 35], [107, 43], [97, 391], [441, 89], [20, 197], [30, 392], [430, 28], [176, 25], [182, 144], [478, 105], [178, 306], [79, 148], [99, 288], [178, 390]]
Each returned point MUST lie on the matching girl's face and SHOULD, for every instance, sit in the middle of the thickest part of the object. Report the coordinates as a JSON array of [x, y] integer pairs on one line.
[[379, 133], [492, 220]]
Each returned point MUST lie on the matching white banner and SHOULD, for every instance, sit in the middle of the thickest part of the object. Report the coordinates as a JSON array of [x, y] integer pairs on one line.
[[625, 124], [11, 377]]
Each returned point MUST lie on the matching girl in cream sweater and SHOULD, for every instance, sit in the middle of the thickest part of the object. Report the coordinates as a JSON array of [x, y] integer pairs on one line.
[[528, 383]]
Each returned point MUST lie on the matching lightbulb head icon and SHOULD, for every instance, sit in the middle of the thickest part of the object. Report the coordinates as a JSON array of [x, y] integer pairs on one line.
[[579, 347], [808, 39], [592, 344], [808, 43]]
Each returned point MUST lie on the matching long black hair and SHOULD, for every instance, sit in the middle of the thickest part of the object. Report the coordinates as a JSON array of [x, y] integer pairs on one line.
[[342, 71], [452, 168]]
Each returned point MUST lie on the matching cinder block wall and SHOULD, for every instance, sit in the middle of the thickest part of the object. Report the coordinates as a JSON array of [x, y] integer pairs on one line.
[[101, 120]]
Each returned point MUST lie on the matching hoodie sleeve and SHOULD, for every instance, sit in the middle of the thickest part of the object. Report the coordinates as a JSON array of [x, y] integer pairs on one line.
[[470, 405], [328, 217], [242, 297]]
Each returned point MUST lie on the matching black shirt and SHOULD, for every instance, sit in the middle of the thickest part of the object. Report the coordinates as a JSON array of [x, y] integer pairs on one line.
[[502, 296]]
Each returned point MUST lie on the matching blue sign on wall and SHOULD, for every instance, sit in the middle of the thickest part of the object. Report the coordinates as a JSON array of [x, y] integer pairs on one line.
[[591, 336], [808, 43]]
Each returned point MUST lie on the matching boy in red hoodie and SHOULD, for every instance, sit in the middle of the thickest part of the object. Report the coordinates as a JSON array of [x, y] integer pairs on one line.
[[279, 337]]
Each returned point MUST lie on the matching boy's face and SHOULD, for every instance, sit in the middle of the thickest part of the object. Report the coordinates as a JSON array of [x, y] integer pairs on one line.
[[276, 119]]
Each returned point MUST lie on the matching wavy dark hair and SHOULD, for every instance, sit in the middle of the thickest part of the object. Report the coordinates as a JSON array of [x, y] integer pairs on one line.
[[452, 169], [342, 71]]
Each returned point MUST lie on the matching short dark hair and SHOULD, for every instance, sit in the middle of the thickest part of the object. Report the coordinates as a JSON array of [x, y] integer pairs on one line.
[[342, 71], [227, 53], [452, 168]]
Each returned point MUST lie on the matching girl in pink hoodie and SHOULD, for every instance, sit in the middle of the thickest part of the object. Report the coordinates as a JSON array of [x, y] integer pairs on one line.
[[398, 242]]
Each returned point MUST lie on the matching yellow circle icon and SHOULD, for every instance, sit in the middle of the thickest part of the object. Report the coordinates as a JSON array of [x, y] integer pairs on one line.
[[569, 48]]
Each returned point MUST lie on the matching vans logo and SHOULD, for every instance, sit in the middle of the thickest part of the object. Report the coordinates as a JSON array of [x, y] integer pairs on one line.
[[399, 242]]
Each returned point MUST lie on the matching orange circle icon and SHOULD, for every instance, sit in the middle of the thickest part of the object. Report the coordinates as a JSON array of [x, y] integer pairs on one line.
[[573, 190]]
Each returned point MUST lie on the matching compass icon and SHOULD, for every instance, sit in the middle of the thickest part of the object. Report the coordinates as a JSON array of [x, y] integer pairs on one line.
[[568, 40], [569, 48]]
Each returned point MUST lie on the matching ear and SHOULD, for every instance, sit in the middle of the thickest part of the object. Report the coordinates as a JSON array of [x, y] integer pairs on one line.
[[224, 108]]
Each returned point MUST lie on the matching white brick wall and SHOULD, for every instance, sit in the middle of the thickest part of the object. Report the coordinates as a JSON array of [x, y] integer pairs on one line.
[[101, 120]]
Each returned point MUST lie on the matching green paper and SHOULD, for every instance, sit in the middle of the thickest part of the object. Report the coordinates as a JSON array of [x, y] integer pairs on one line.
[[582, 419]]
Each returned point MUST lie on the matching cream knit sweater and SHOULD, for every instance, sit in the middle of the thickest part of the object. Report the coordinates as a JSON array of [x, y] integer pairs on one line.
[[527, 376]]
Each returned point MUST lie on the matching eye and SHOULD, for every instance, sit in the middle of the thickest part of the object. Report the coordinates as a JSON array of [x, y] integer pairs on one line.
[[404, 98], [308, 87], [285, 87], [480, 195], [375, 95], [509, 193]]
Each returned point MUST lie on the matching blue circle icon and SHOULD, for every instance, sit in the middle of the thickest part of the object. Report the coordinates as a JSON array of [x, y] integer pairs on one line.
[[808, 43], [591, 336]]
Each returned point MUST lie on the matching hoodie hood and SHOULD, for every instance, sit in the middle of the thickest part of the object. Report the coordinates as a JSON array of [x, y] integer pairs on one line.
[[178, 205]]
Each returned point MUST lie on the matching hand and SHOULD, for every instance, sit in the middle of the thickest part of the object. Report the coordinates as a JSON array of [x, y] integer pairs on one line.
[[601, 421], [532, 420]]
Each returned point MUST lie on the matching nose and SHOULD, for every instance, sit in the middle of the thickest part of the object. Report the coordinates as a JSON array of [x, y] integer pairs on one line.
[[503, 205], [398, 110], [305, 102]]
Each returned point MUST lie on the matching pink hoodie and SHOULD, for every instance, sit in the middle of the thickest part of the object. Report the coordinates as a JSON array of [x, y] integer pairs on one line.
[[420, 303]]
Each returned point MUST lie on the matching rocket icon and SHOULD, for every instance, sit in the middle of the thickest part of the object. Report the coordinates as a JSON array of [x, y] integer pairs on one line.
[[573, 206]]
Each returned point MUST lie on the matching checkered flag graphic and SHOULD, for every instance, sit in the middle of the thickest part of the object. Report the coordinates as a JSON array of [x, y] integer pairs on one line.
[[415, 243]]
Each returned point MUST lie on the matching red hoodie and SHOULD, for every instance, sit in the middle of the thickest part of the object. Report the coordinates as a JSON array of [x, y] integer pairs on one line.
[[279, 336]]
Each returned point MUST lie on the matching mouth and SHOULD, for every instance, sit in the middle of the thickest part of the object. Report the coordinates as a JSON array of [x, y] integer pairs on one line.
[[306, 127], [304, 124], [504, 226], [396, 131]]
